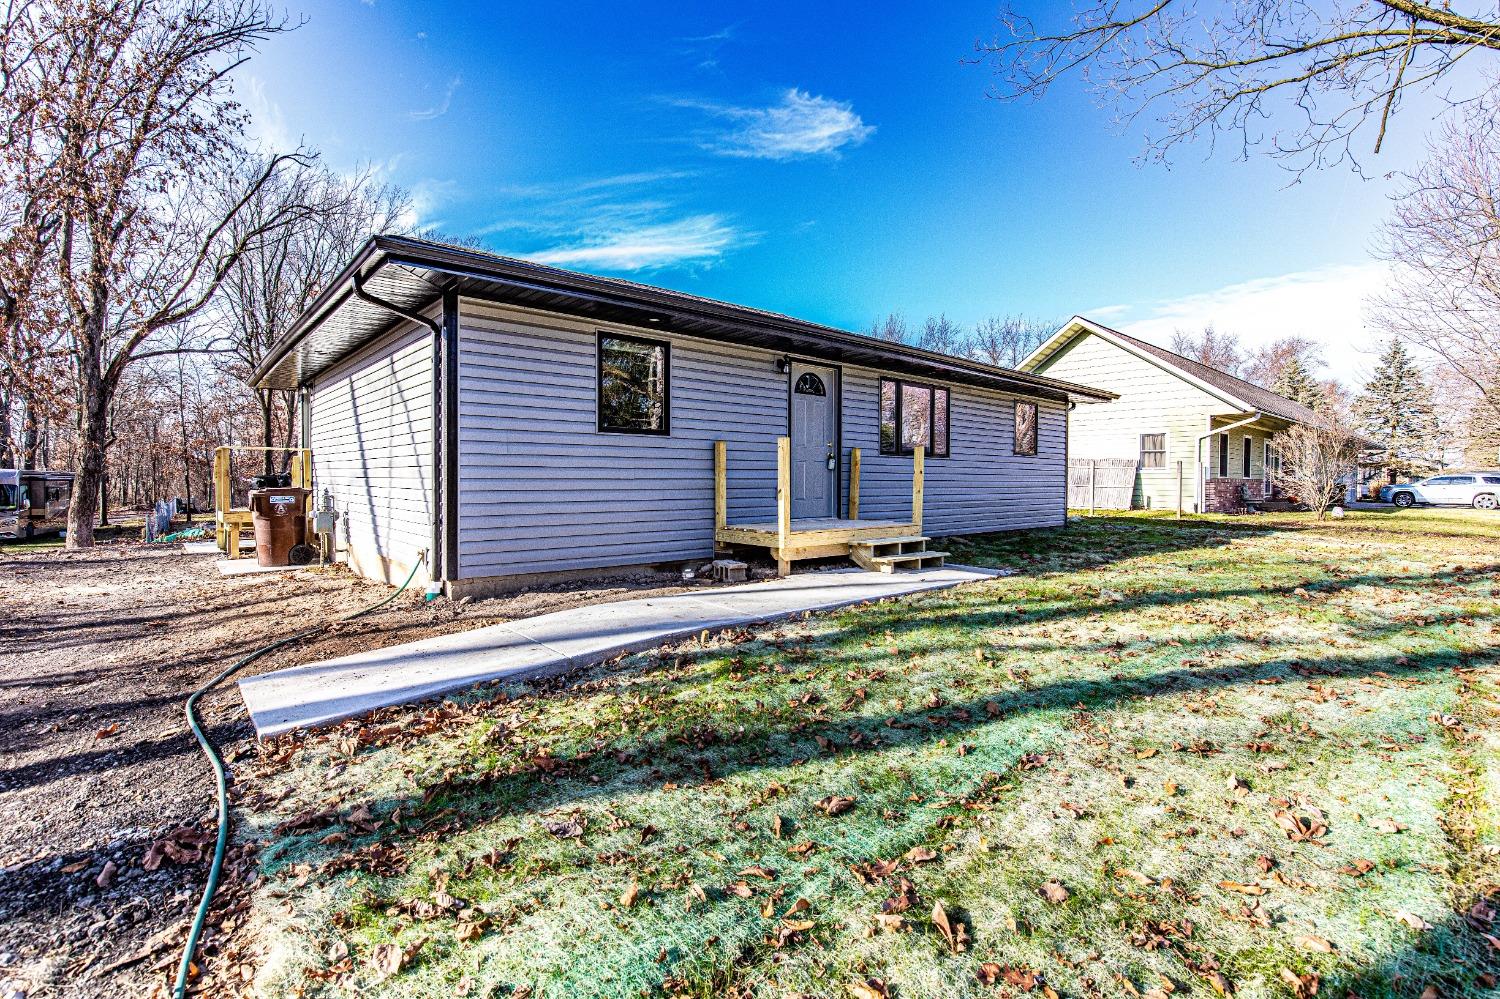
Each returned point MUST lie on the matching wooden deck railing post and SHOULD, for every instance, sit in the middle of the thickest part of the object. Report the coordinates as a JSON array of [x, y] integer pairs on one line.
[[854, 483], [721, 489], [783, 503], [917, 465]]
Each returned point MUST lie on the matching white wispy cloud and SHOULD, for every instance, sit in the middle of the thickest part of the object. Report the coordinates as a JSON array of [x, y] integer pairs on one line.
[[694, 239], [799, 125], [441, 108], [268, 128], [1326, 305]]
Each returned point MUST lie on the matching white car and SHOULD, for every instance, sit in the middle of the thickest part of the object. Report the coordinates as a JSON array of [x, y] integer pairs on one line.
[[1481, 490]]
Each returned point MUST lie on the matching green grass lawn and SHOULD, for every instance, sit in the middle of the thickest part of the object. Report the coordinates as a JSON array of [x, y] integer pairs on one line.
[[1252, 755]]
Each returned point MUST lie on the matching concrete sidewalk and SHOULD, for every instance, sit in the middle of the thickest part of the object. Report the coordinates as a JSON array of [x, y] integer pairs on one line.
[[319, 693]]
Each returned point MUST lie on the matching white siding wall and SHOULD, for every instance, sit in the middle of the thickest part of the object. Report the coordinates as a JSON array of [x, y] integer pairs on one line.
[[1152, 401], [540, 490], [371, 436]]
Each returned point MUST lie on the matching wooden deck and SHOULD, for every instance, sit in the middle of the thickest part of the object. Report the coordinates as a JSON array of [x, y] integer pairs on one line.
[[810, 537]]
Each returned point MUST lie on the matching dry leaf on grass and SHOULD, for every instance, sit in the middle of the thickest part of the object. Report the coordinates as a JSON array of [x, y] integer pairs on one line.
[[952, 930], [835, 805], [1054, 893], [1314, 943], [1243, 889], [389, 958], [870, 988], [1302, 986], [565, 829], [1413, 920], [629, 895], [1387, 825], [921, 854]]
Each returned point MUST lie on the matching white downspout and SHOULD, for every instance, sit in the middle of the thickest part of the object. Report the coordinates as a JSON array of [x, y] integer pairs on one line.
[[1200, 483]]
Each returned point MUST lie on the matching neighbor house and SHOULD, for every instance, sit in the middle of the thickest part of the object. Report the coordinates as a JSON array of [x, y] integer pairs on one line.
[[499, 422], [1198, 437]]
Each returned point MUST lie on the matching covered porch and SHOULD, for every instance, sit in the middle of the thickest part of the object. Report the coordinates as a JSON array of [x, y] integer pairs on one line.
[[879, 545]]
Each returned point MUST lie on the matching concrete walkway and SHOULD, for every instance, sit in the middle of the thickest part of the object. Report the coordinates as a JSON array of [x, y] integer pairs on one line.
[[319, 693]]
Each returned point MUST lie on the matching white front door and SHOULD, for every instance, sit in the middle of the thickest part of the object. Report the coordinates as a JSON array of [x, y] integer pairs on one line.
[[815, 421]]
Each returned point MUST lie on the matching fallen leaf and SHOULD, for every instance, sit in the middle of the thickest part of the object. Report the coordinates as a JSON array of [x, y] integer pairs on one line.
[[1126, 872], [1387, 825], [953, 930], [870, 988], [629, 895], [1413, 920], [1358, 868], [389, 958], [1302, 986], [105, 733], [757, 871], [1220, 983], [835, 805], [1318, 944], [1054, 893], [1243, 889], [921, 854], [567, 829]]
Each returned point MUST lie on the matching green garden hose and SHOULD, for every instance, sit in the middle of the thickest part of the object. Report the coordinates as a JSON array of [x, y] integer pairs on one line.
[[179, 991]]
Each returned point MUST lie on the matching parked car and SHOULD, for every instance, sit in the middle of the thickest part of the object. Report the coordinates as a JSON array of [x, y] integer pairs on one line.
[[1480, 490]]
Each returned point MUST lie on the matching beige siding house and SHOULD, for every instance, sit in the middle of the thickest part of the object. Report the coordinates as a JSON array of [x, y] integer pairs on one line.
[[1198, 436]]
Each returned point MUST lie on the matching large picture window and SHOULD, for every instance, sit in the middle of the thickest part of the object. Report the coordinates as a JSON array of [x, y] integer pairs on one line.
[[634, 395], [1025, 429], [1153, 450], [913, 415]]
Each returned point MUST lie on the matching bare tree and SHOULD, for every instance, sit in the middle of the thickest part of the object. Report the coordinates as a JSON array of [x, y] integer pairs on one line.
[[1334, 70], [1265, 365], [892, 328], [1443, 244], [130, 137], [1005, 341], [282, 271], [1221, 351], [1315, 461]]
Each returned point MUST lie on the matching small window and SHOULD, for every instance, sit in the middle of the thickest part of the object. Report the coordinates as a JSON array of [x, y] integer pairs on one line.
[[1462, 480], [913, 415], [1153, 450], [1025, 429], [1492, 480], [1249, 446], [810, 384], [1223, 456], [634, 395]]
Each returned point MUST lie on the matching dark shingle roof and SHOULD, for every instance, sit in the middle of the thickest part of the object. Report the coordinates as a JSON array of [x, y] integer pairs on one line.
[[1257, 398]]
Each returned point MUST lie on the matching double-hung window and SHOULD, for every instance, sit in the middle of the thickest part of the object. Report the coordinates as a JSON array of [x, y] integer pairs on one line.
[[1245, 455], [634, 389], [1025, 441], [913, 415], [1223, 456], [1153, 450]]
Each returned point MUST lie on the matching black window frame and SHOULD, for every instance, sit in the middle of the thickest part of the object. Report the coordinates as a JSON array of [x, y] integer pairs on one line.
[[1223, 456], [666, 384], [1159, 451], [1036, 430], [933, 389], [1247, 457]]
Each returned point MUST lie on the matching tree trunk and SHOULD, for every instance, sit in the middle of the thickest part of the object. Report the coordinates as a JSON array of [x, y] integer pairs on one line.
[[88, 472], [266, 431]]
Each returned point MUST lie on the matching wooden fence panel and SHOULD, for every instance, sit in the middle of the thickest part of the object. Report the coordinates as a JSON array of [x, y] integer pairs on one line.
[[1101, 483]]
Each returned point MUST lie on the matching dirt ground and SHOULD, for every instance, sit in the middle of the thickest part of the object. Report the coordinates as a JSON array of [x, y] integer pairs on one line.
[[98, 650]]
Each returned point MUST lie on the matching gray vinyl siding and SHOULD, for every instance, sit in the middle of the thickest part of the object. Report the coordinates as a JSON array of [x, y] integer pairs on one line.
[[371, 434], [983, 485], [541, 490]]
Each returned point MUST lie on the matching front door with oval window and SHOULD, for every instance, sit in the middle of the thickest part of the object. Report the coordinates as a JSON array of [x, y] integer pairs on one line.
[[815, 449]]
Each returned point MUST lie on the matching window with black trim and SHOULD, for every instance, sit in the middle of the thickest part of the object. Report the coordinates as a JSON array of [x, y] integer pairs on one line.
[[911, 415], [634, 389], [1025, 445], [1153, 450], [1223, 456], [1245, 456]]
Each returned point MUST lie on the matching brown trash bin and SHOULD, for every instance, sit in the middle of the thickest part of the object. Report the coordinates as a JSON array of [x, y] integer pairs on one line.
[[279, 517]]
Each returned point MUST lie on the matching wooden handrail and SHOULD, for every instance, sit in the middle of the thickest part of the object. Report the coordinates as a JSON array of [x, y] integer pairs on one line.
[[918, 462], [721, 486], [854, 483]]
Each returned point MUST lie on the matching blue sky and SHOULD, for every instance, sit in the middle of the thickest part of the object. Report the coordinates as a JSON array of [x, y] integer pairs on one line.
[[831, 161]]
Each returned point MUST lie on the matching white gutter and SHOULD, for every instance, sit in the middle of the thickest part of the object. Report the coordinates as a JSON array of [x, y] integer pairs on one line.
[[1199, 487]]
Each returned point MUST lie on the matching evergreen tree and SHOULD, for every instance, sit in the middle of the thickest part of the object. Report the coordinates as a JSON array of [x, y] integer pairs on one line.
[[1395, 411], [1297, 385]]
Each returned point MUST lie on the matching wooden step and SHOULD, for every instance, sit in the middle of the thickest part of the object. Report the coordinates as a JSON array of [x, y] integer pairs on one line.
[[913, 560], [896, 540]]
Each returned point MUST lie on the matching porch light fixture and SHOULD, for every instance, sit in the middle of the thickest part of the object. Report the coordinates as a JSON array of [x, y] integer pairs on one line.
[[783, 363]]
